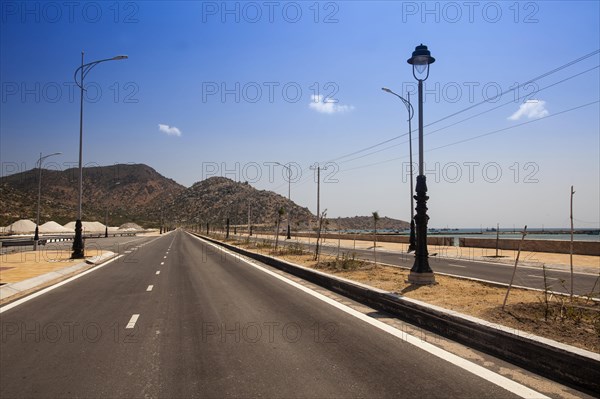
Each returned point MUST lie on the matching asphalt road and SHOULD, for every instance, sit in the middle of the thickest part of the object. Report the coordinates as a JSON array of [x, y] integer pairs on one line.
[[526, 276], [176, 318]]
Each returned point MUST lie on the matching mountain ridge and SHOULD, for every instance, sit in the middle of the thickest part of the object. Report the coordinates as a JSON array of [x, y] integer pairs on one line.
[[137, 193]]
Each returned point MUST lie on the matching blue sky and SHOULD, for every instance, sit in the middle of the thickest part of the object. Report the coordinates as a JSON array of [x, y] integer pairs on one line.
[[215, 88]]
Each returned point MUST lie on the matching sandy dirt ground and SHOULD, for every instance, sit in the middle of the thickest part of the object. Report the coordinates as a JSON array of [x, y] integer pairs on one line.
[[19, 266]]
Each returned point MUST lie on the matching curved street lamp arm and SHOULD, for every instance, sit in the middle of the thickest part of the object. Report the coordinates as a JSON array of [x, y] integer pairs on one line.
[[88, 67], [407, 104], [46, 156]]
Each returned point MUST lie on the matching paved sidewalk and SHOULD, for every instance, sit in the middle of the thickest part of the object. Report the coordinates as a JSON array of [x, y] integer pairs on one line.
[[24, 272]]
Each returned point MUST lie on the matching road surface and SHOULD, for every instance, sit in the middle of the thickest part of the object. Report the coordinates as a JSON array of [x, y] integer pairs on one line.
[[175, 318]]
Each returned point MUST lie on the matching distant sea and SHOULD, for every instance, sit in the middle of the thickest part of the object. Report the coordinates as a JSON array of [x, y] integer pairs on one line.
[[560, 234]]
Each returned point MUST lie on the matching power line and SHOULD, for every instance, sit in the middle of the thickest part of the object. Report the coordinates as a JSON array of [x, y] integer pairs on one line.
[[473, 116], [519, 86], [478, 136], [514, 126], [573, 62]]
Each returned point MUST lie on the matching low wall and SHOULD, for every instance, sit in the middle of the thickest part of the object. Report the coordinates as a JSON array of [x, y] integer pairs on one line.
[[432, 240], [553, 246]]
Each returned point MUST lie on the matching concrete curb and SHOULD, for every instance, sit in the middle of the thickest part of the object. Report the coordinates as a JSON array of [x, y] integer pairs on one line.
[[569, 365], [19, 289]]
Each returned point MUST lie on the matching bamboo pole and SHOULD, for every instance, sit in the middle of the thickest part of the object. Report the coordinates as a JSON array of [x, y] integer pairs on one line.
[[515, 268], [571, 245]]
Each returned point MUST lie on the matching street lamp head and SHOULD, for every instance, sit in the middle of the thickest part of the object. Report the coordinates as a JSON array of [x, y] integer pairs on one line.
[[120, 57], [420, 60], [386, 89]]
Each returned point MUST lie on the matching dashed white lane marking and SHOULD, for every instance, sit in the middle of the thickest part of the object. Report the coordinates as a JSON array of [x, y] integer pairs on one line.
[[547, 278], [149, 288], [165, 257], [158, 272], [497, 379], [132, 321], [162, 263], [452, 264]]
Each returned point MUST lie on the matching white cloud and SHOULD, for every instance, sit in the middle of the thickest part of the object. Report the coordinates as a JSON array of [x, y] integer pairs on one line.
[[327, 106], [530, 109], [169, 130]]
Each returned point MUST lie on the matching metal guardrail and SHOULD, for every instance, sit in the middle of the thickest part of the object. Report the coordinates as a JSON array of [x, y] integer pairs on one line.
[[23, 242]]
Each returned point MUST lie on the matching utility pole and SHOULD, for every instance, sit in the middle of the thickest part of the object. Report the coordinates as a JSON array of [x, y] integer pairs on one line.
[[571, 245], [318, 169], [497, 237], [249, 225], [318, 190]]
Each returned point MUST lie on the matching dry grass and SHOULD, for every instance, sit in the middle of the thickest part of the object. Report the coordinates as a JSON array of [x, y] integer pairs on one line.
[[576, 323]]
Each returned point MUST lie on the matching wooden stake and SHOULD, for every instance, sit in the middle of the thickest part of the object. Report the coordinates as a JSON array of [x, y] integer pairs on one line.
[[515, 268], [571, 245], [497, 237]]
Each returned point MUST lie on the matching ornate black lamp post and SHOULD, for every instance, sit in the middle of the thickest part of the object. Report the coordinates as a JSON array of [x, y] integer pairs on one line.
[[83, 70], [411, 112], [421, 273]]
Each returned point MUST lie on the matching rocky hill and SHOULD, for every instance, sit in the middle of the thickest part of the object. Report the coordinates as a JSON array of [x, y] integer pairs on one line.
[[366, 223], [215, 199], [138, 193], [126, 190]]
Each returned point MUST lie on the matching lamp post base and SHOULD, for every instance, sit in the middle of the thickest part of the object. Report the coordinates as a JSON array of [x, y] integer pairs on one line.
[[421, 273], [36, 238], [289, 235], [78, 250], [421, 278]]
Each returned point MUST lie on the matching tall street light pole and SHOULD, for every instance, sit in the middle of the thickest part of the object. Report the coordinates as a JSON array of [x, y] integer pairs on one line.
[[83, 70], [318, 168], [289, 170], [37, 223], [421, 273], [411, 113]]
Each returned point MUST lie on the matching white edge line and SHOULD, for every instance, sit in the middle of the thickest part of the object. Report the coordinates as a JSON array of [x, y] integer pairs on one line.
[[48, 289], [501, 381], [132, 321]]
